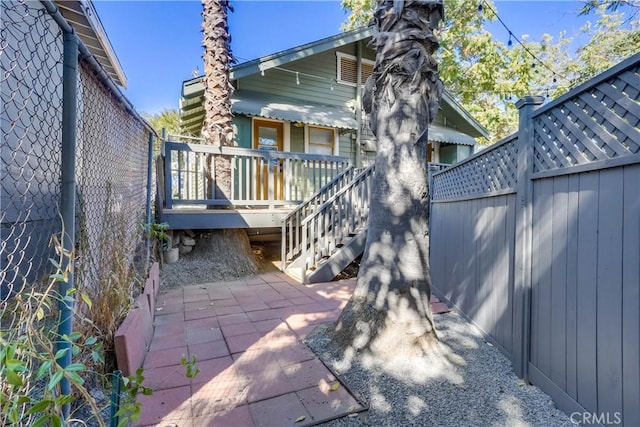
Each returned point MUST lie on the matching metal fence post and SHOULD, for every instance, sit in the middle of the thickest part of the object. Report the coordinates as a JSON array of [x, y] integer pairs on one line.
[[149, 193], [522, 284], [168, 185], [68, 203]]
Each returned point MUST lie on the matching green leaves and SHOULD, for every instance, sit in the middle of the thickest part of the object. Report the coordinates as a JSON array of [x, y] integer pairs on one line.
[[52, 420], [44, 368], [40, 406], [13, 378], [55, 380], [12, 368], [192, 370], [61, 353], [86, 300], [168, 119], [487, 76]]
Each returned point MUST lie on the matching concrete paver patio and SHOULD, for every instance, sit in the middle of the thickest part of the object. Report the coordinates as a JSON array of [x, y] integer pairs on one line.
[[247, 338], [255, 369]]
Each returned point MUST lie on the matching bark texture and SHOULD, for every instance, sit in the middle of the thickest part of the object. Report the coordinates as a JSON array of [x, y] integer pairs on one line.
[[217, 126], [389, 313]]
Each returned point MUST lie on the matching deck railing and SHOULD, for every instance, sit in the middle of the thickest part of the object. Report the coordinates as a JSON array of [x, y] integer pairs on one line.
[[291, 236], [259, 178], [343, 215]]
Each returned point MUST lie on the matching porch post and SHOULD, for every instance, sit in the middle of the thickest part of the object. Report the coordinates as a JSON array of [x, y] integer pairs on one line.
[[271, 179], [522, 276], [435, 157], [168, 191]]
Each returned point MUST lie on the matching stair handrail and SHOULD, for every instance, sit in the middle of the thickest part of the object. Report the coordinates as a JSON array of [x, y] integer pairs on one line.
[[359, 177], [322, 191], [329, 218], [302, 210]]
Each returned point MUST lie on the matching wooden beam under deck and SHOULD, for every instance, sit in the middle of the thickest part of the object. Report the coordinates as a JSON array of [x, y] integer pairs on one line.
[[215, 219]]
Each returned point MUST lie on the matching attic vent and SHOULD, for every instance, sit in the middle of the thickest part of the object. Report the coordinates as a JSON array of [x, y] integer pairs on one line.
[[347, 69]]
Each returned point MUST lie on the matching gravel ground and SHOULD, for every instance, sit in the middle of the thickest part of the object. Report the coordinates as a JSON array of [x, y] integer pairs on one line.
[[465, 382]]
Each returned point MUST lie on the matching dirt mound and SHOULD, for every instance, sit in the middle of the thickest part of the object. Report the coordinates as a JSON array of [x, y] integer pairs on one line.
[[219, 255]]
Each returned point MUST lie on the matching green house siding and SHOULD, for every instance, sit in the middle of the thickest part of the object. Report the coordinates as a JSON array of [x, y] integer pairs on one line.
[[439, 118], [317, 89], [317, 83], [242, 130], [346, 146]]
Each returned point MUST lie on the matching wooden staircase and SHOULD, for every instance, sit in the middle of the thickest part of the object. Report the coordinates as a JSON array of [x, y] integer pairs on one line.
[[322, 236]]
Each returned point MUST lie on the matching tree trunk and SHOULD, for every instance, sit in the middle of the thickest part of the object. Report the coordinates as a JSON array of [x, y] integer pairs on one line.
[[217, 127], [389, 313]]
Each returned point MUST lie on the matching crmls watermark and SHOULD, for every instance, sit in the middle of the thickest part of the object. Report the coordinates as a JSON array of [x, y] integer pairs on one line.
[[603, 418]]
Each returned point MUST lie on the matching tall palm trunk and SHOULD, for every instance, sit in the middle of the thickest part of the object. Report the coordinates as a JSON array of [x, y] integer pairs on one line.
[[217, 128], [389, 313], [218, 131]]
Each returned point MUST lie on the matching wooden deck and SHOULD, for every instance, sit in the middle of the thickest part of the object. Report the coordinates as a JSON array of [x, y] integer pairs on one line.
[[267, 185], [203, 219], [316, 206]]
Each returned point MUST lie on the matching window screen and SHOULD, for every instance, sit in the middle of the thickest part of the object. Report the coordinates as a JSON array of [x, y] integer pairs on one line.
[[321, 140]]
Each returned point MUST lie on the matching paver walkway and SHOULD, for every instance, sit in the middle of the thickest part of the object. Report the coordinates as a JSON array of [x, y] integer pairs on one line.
[[247, 337]]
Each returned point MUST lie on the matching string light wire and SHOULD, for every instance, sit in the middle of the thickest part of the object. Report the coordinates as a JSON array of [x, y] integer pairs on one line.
[[481, 6], [511, 34]]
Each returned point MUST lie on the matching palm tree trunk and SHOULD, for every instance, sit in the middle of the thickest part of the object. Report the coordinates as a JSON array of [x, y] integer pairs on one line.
[[217, 127], [389, 313]]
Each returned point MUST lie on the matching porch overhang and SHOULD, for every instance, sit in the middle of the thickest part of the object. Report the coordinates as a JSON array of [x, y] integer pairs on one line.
[[292, 110], [449, 136], [263, 105], [436, 134]]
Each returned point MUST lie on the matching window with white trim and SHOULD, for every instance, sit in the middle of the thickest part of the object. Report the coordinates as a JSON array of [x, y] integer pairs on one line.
[[348, 69], [321, 140]]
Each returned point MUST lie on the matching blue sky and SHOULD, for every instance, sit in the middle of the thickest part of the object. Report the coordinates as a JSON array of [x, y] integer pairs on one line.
[[158, 43]]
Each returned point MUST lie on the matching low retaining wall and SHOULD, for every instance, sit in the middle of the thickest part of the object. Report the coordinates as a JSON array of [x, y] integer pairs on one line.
[[133, 337]]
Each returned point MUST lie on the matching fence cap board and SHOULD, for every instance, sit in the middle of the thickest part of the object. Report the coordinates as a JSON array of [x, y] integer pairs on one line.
[[612, 72]]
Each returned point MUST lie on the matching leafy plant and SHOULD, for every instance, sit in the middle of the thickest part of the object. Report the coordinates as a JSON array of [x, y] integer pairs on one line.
[[190, 364], [157, 232], [130, 408], [107, 272], [31, 394]]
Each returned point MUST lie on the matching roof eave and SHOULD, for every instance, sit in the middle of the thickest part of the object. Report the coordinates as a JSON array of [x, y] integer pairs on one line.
[[448, 98], [299, 52], [82, 15]]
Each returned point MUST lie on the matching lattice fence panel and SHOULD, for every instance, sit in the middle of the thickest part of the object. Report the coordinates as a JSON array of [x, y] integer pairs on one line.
[[494, 170], [31, 117], [599, 123]]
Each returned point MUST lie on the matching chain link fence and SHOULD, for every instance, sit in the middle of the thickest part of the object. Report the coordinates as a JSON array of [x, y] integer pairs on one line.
[[31, 121], [111, 171], [111, 159]]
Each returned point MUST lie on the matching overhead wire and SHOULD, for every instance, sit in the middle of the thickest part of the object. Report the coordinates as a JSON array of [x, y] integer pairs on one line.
[[482, 4]]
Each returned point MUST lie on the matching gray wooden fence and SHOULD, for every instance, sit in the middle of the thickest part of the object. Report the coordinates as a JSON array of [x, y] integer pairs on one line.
[[537, 241]]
